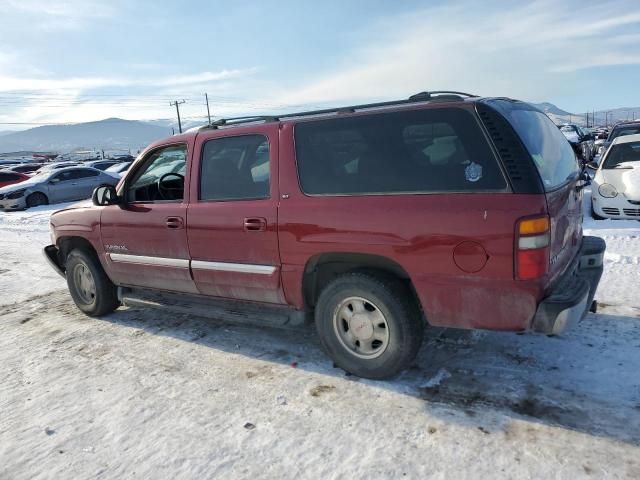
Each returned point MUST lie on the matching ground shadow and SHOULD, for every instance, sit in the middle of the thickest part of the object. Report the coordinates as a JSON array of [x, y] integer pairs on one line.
[[586, 381]]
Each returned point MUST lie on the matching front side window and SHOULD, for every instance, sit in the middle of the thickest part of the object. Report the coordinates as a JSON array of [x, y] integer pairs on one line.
[[417, 151], [161, 177], [235, 168]]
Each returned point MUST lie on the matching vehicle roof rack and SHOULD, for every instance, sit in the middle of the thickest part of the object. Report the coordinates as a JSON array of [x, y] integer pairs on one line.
[[443, 95]]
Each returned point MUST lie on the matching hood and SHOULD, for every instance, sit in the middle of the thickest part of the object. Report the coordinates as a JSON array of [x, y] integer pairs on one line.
[[626, 181], [84, 204]]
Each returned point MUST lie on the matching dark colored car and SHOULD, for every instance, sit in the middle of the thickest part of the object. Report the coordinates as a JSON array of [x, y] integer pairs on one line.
[[8, 177], [618, 130], [582, 142], [443, 209], [26, 167], [101, 164]]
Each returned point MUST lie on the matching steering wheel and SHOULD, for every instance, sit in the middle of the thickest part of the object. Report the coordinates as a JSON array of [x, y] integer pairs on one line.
[[167, 192]]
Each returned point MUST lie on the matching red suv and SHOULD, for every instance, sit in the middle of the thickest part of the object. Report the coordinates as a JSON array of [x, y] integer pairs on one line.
[[444, 209]]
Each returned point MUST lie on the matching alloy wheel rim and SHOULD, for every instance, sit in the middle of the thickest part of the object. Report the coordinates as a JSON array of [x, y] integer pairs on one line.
[[361, 327]]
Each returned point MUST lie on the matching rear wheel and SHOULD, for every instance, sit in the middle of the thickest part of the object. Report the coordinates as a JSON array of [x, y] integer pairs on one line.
[[37, 199], [90, 288], [369, 324]]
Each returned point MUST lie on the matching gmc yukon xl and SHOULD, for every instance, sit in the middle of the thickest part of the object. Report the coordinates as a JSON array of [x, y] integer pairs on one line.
[[375, 220]]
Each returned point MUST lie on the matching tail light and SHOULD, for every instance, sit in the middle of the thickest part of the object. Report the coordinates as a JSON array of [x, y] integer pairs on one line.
[[533, 237]]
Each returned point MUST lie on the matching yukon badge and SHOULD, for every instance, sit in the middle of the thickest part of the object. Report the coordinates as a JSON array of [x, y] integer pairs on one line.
[[116, 248], [473, 172]]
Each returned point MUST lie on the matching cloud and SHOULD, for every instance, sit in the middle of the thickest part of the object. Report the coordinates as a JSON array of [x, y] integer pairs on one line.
[[13, 83], [507, 48], [52, 15]]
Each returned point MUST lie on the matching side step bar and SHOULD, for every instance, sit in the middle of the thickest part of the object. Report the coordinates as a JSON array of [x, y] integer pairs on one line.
[[232, 311]]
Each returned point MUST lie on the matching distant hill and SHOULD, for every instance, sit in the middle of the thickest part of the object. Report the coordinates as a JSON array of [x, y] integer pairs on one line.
[[112, 133], [602, 117], [548, 108]]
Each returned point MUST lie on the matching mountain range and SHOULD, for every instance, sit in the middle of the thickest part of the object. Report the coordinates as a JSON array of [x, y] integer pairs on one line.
[[134, 135]]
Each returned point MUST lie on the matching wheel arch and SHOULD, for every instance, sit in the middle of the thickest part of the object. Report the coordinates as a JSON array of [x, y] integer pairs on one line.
[[322, 268], [68, 243]]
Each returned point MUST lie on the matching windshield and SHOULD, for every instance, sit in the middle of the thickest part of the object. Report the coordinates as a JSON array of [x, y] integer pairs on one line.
[[624, 130], [552, 154], [622, 154]]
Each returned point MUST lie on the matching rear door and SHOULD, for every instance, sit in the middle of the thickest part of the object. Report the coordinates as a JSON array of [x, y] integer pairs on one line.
[[232, 216], [145, 238]]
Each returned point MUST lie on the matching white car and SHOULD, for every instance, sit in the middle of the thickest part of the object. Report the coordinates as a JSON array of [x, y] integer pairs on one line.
[[615, 191]]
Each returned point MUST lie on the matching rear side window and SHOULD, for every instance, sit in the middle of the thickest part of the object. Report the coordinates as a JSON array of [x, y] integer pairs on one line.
[[551, 152], [419, 151], [235, 168]]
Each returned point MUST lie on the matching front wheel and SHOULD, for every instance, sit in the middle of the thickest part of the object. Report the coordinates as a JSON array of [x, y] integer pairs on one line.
[[90, 288], [369, 324], [36, 199]]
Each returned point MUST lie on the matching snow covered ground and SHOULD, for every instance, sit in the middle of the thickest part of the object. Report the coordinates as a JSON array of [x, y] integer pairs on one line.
[[148, 394]]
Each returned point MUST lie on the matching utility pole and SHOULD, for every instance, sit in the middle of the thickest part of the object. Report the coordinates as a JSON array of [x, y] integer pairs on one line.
[[176, 103], [206, 97]]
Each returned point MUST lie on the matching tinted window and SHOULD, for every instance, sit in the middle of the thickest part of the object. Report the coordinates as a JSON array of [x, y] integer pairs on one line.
[[8, 177], [84, 173], [168, 164], [435, 150], [623, 130], [235, 168], [552, 154], [622, 153]]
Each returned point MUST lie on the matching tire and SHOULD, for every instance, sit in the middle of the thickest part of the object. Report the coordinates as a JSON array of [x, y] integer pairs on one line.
[[36, 199], [91, 290], [594, 215], [384, 352]]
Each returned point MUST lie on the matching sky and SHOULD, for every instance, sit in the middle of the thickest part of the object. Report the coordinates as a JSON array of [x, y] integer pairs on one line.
[[83, 60]]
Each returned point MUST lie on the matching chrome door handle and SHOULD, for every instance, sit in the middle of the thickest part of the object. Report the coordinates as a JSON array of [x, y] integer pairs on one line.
[[174, 222], [255, 224]]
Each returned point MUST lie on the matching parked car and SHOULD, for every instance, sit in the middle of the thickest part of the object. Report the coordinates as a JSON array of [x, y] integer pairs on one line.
[[100, 164], [26, 167], [58, 165], [581, 141], [54, 186], [616, 184], [443, 209], [119, 168], [8, 177], [620, 129]]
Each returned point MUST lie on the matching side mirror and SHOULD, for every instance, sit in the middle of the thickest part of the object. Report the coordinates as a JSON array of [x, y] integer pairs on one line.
[[54, 180], [105, 195]]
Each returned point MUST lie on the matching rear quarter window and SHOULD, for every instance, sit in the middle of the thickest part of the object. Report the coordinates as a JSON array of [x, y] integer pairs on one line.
[[417, 151], [552, 154]]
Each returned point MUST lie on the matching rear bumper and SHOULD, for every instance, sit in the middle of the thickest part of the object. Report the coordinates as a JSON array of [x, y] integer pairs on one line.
[[51, 254], [572, 295]]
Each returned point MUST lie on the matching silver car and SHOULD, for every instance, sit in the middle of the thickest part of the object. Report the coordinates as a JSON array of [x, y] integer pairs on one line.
[[54, 186]]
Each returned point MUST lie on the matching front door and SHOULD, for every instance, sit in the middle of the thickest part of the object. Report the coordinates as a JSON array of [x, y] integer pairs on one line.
[[232, 215], [145, 237]]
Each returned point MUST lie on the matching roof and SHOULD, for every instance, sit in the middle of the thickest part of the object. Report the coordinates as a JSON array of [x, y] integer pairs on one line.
[[422, 97], [626, 139]]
